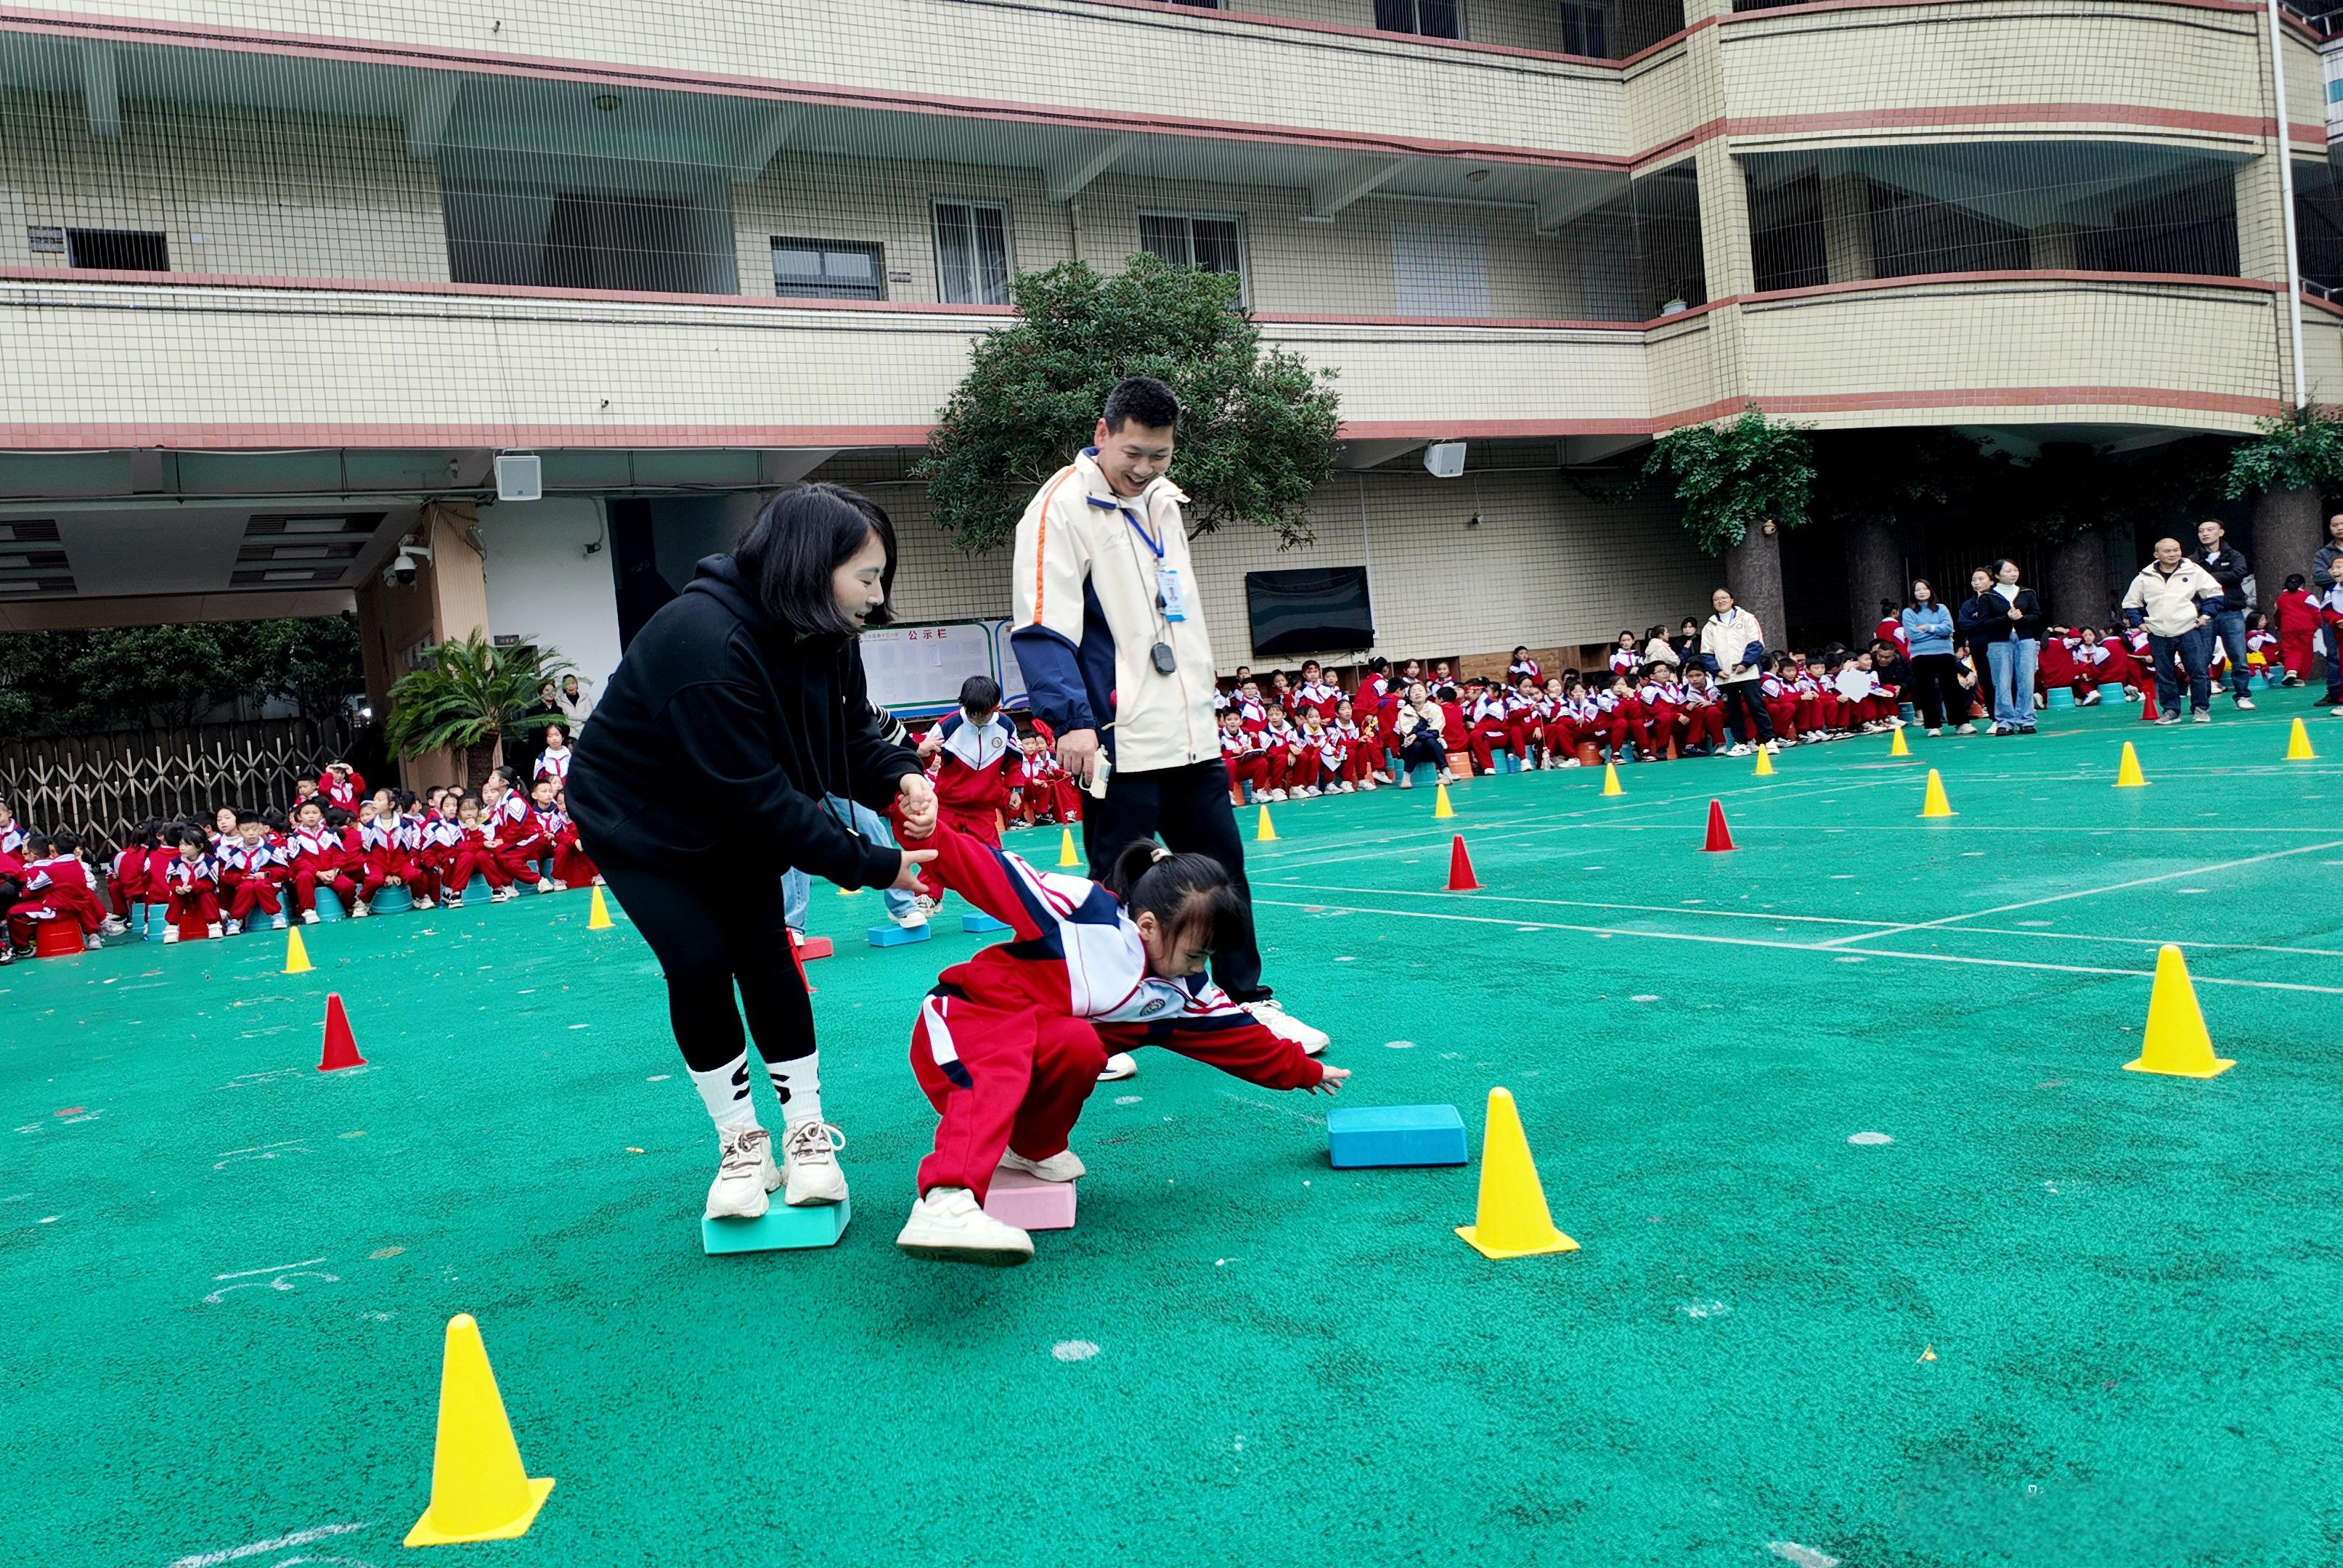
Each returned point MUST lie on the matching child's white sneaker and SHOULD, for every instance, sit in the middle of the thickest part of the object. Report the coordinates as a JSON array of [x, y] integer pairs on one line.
[[1119, 1066], [114, 925], [1285, 1026], [810, 1160], [1065, 1165], [214, 931], [947, 1225], [1407, 780], [598, 881], [544, 884], [277, 922], [504, 895], [358, 910], [92, 943], [913, 918], [170, 935], [308, 917], [233, 928], [744, 1174], [423, 903]]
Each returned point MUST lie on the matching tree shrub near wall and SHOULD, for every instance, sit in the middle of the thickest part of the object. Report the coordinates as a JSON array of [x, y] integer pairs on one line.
[[104, 680], [1739, 485], [467, 696], [1257, 433]]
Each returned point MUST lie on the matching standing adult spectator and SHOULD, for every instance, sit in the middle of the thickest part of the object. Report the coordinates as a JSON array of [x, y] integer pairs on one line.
[[1732, 647], [1658, 649], [576, 700], [739, 707], [1937, 687], [2229, 624], [2324, 567], [2176, 599], [2004, 620], [1117, 662]]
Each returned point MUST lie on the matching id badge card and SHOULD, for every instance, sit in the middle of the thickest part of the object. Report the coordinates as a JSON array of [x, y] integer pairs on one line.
[[1168, 594]]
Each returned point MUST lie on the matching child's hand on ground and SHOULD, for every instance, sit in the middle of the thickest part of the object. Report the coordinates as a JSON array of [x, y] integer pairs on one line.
[[1331, 1078], [907, 875]]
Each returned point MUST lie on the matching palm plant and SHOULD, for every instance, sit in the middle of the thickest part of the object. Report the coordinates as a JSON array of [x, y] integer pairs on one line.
[[467, 696]]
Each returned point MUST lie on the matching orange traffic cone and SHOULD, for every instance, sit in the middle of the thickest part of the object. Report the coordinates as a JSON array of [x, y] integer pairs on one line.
[[1460, 867], [2148, 713], [1720, 836], [341, 1048]]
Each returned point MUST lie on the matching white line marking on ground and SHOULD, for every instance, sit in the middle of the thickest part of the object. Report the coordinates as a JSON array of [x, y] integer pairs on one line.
[[272, 1269], [2091, 892], [299, 1538], [1485, 896], [1823, 947]]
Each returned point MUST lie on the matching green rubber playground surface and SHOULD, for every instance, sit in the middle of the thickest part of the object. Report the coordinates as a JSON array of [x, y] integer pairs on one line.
[[2055, 1314]]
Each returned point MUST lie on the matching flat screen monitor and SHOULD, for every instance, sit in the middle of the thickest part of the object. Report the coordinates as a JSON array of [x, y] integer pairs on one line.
[[1324, 609]]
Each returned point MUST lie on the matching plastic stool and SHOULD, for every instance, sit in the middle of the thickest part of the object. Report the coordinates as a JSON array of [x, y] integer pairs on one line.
[[389, 900], [329, 904], [2059, 697], [55, 939]]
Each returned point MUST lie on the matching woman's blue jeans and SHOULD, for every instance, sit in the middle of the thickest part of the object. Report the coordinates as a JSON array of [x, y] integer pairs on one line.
[[2012, 662]]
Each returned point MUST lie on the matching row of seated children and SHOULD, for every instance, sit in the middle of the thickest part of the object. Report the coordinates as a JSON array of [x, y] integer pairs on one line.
[[44, 881]]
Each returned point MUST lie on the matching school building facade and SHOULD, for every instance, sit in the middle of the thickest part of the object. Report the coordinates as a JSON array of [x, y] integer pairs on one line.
[[279, 284]]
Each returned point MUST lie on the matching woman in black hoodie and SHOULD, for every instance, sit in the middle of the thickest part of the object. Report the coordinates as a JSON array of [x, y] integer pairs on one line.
[[739, 707], [2004, 625]]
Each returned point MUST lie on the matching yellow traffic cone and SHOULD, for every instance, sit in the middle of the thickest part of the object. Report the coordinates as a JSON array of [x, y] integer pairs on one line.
[[2297, 744], [597, 918], [1899, 747], [1264, 831], [296, 955], [848, 892], [1512, 1221], [479, 1490], [1440, 805], [1611, 780], [2128, 773], [1066, 852], [1935, 804], [2174, 1042], [1765, 769]]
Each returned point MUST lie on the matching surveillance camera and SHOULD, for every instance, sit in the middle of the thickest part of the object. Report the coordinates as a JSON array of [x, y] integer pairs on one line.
[[401, 573]]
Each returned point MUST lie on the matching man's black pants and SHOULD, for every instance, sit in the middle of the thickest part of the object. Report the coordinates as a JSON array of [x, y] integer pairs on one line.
[[1188, 809]]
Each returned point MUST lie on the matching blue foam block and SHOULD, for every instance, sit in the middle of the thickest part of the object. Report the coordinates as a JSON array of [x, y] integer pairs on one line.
[[891, 935], [778, 1228], [1364, 1135], [978, 920]]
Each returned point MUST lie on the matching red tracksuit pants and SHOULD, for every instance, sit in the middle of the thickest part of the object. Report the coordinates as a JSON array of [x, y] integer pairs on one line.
[[195, 907], [1000, 1079], [1703, 726], [247, 893], [471, 861], [306, 881], [1487, 735], [1783, 712]]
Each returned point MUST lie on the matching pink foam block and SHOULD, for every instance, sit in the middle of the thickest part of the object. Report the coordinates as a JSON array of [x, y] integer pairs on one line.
[[1031, 1203]]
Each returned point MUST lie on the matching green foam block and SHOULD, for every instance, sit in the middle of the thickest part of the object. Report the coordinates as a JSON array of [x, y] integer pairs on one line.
[[778, 1229]]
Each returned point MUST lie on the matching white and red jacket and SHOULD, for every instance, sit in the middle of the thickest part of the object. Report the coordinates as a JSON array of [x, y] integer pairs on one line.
[[1073, 953], [343, 789], [973, 769]]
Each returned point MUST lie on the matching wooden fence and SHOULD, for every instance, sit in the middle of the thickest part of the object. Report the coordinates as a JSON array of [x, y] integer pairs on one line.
[[98, 785]]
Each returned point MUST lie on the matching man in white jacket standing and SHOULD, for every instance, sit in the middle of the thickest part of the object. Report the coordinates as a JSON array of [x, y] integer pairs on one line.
[[2176, 598], [1110, 633]]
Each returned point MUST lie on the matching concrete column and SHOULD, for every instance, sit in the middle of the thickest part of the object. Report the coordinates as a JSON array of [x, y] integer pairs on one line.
[[2076, 579], [2289, 530], [1752, 570], [1847, 227], [2052, 247], [449, 598], [1874, 571]]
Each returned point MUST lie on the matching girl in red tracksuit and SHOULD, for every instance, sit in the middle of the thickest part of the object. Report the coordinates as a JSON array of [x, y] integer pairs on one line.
[[1010, 1044], [191, 884], [126, 879], [475, 855]]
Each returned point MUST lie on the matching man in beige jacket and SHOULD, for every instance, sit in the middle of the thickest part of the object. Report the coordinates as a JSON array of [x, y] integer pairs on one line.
[[2176, 599], [1110, 633]]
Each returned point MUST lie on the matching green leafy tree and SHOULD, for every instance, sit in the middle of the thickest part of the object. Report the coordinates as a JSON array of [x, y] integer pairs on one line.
[[2289, 455], [315, 664], [92, 682], [467, 696], [1731, 478], [1256, 437]]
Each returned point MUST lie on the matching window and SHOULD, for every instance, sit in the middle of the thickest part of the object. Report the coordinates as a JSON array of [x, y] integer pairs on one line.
[[1427, 18], [972, 252], [117, 249], [1439, 270], [829, 269], [1586, 29], [1206, 244]]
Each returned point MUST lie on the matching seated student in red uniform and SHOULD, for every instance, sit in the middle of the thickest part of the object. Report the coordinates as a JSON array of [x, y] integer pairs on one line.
[[342, 785], [1521, 665], [191, 886], [1778, 690], [160, 859], [1010, 1042], [2090, 657], [249, 873], [970, 753], [572, 867], [126, 879], [1626, 655], [508, 816], [54, 886], [1359, 752], [527, 845], [303, 791], [1276, 753], [2298, 624], [475, 856], [2262, 655], [430, 842], [317, 860], [1486, 734], [1316, 694], [1241, 755], [1701, 714]]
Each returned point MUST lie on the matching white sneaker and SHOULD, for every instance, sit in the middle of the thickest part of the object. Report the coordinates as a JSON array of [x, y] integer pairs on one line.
[[1966, 730], [2247, 703], [92, 943], [170, 935], [1065, 1165], [744, 1175], [504, 895], [308, 917], [1119, 1066], [422, 903], [1407, 780], [947, 1225], [1285, 1026], [2202, 716], [214, 931], [233, 928], [809, 1158], [277, 922], [1447, 776], [1737, 750], [114, 925], [598, 881], [1774, 747], [544, 884], [913, 918], [359, 911], [923, 905]]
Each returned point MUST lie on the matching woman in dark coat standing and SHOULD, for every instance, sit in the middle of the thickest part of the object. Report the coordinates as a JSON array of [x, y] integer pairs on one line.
[[737, 708]]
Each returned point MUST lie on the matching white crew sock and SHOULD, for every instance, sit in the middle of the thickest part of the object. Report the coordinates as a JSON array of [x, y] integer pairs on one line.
[[725, 1092], [796, 1084]]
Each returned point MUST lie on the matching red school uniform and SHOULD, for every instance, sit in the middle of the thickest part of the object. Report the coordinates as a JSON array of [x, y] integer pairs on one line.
[[192, 890], [126, 881], [248, 875], [317, 858], [56, 888], [343, 789], [1010, 1044], [2298, 621]]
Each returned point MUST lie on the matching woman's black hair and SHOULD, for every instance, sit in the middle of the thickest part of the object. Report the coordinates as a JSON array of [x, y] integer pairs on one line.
[[1189, 896], [1912, 595], [798, 541], [1993, 571]]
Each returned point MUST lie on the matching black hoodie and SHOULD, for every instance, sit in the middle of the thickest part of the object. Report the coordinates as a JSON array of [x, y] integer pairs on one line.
[[719, 735]]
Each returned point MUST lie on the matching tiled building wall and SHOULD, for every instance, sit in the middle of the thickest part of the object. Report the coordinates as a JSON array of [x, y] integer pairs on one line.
[[232, 190]]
